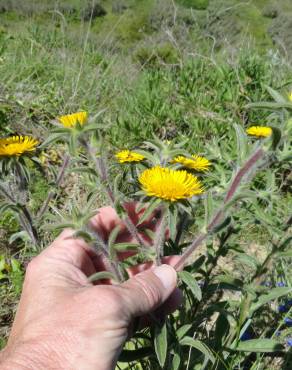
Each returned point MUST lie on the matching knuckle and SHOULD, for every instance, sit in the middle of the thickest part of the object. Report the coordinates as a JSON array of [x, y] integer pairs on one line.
[[150, 290]]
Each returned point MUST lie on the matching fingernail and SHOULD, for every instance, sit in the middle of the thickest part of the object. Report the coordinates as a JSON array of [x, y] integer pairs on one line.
[[167, 275]]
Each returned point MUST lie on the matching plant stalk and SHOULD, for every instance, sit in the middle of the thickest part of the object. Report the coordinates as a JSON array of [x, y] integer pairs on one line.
[[59, 180], [160, 236], [103, 173], [217, 218]]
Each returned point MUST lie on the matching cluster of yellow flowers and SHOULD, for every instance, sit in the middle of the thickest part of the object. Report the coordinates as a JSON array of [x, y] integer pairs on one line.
[[172, 185], [164, 183], [17, 145]]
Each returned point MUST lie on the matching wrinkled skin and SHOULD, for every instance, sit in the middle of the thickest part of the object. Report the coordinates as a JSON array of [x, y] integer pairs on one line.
[[65, 322]]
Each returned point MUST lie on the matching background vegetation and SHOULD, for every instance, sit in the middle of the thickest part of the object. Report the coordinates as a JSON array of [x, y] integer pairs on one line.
[[183, 69]]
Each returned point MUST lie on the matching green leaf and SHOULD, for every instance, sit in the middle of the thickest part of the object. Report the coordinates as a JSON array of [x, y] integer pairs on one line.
[[180, 333], [87, 170], [276, 137], [154, 203], [129, 356], [269, 105], [209, 207], [51, 139], [172, 222], [276, 95], [259, 345], [222, 225], [247, 260], [200, 346], [124, 247], [160, 343], [287, 254], [15, 265], [148, 156], [175, 362], [23, 235], [230, 280], [265, 298], [102, 275], [191, 282], [112, 239], [242, 143]]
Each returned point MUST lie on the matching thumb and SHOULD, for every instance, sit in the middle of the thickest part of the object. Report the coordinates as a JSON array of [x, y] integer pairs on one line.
[[146, 291]]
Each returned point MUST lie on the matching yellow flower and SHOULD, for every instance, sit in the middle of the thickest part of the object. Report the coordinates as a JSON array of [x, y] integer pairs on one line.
[[17, 145], [129, 156], [168, 184], [195, 163], [259, 131], [71, 120], [290, 96]]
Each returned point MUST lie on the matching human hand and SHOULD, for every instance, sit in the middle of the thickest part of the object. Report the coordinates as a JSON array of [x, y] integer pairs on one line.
[[65, 322]]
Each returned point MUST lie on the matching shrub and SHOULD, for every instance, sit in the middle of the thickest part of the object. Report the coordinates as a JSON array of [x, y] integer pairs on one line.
[[162, 54], [92, 11]]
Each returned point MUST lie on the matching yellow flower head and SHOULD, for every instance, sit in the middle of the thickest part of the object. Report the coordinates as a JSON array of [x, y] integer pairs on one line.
[[259, 131], [168, 184], [195, 163], [129, 156], [17, 145], [71, 120], [290, 96]]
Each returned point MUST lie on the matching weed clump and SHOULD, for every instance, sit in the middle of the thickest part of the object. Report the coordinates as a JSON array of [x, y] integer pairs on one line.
[[92, 11], [158, 56], [281, 32]]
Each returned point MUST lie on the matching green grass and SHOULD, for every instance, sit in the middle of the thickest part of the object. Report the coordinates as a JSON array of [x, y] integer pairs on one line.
[[147, 81]]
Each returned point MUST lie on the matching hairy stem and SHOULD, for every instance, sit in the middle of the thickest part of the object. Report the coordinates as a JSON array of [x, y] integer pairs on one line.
[[110, 264], [217, 218], [24, 217], [160, 236], [101, 169], [52, 193]]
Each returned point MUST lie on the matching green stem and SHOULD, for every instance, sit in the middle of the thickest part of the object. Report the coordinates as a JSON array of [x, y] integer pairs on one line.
[[103, 174], [52, 193], [217, 218], [160, 236]]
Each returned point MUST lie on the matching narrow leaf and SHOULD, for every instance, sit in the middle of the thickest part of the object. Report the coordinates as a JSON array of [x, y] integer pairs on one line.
[[273, 294], [149, 210], [129, 356], [175, 362], [200, 346], [191, 282], [269, 105], [276, 95], [180, 333], [101, 276], [259, 345], [124, 247], [160, 343]]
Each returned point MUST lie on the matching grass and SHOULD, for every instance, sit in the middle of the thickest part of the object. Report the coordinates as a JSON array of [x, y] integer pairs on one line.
[[148, 73]]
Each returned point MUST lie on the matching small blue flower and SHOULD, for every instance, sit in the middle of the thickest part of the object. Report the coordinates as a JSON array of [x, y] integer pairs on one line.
[[266, 283], [281, 284], [288, 321], [289, 342], [282, 308], [246, 336]]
